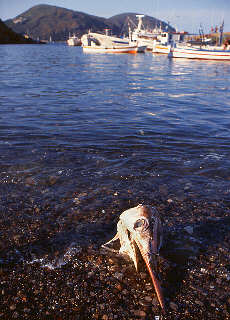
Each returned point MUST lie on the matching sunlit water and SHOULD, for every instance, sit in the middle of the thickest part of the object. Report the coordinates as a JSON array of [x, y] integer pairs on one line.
[[79, 132]]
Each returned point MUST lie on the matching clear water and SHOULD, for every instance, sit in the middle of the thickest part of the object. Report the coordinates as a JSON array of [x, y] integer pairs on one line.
[[113, 118]]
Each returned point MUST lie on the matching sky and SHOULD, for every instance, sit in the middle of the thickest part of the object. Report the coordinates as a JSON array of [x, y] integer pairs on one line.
[[181, 14]]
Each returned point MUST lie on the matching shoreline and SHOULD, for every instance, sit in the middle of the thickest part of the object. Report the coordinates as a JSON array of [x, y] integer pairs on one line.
[[88, 283]]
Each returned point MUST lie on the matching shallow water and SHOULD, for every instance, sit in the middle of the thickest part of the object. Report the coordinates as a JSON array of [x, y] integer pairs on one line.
[[84, 136]]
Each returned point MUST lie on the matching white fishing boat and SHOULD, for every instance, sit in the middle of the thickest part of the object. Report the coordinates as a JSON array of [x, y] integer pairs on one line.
[[73, 41], [220, 52], [141, 36], [99, 43], [200, 53], [165, 40]]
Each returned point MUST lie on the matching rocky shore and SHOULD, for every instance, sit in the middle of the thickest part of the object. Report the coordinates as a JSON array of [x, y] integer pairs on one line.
[[52, 265], [8, 36]]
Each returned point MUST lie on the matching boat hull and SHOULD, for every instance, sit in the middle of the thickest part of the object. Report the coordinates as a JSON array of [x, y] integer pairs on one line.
[[121, 49], [161, 49], [200, 54]]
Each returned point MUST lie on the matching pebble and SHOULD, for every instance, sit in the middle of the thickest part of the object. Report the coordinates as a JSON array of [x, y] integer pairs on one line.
[[118, 286], [118, 275], [189, 229], [148, 298], [155, 302], [52, 180], [145, 303], [13, 307], [139, 313], [143, 275], [30, 181], [199, 303], [125, 292], [15, 315], [173, 306]]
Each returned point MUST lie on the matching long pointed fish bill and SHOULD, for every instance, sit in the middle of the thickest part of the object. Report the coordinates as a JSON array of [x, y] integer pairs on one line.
[[156, 282]]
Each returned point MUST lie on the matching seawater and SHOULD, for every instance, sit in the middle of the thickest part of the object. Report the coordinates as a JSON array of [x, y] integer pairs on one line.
[[84, 133]]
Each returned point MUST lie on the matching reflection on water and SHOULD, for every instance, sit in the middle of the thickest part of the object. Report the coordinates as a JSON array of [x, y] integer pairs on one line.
[[103, 119]]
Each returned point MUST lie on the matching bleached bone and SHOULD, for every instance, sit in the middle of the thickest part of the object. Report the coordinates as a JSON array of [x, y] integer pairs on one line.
[[140, 228]]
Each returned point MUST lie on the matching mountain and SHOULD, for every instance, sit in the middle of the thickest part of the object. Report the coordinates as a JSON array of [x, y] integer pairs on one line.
[[8, 36], [45, 21]]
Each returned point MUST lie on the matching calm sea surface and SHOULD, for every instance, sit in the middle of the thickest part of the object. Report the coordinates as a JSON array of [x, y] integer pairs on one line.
[[80, 133]]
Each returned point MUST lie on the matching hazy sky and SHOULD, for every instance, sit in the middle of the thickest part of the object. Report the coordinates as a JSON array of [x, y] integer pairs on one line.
[[183, 14]]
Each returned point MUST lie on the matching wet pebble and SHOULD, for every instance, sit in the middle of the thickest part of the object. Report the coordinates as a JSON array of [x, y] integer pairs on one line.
[[143, 275], [118, 275], [125, 292], [30, 181], [13, 307], [173, 306], [118, 286], [139, 313], [52, 180], [199, 303], [145, 303], [189, 229]]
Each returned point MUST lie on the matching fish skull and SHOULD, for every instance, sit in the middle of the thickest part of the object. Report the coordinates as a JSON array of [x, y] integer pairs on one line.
[[140, 229]]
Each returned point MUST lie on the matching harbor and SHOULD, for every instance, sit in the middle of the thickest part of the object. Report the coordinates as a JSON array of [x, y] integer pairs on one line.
[[130, 129], [173, 44], [115, 156]]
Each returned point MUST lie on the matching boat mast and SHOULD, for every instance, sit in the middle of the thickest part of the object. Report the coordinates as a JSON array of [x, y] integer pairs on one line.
[[221, 33], [139, 17]]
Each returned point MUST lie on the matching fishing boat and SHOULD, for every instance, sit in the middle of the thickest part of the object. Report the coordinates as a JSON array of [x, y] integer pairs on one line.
[[200, 53], [73, 41], [161, 48], [219, 52], [99, 43], [143, 37], [164, 41]]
